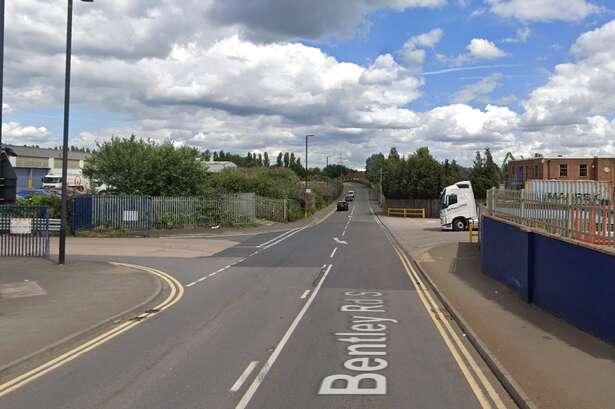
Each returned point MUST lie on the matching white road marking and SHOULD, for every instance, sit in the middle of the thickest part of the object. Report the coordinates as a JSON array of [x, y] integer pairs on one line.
[[277, 237], [333, 253], [305, 294], [242, 378], [191, 284], [245, 400], [340, 241], [285, 237], [344, 233]]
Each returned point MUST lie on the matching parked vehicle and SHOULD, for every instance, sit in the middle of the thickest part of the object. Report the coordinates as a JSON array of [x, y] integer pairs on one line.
[[342, 205], [76, 181], [349, 198], [351, 193], [458, 207]]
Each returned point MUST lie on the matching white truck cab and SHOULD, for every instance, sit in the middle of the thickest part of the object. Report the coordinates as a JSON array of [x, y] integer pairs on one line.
[[457, 206]]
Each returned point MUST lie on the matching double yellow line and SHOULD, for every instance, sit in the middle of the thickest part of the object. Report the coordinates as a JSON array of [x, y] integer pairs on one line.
[[480, 385], [176, 293]]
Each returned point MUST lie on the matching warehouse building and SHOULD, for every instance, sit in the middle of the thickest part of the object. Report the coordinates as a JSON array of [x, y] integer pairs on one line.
[[559, 168], [32, 164]]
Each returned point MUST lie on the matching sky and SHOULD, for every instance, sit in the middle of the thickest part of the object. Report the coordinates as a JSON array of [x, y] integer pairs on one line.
[[362, 76]]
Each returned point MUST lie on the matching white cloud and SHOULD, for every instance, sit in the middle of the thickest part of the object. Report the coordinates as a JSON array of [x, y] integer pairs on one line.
[[15, 133], [477, 90], [578, 90], [412, 52], [478, 49], [523, 34], [484, 49], [207, 83], [6, 109], [543, 10]]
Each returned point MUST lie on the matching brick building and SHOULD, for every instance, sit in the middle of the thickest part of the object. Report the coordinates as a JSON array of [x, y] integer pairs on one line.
[[559, 168]]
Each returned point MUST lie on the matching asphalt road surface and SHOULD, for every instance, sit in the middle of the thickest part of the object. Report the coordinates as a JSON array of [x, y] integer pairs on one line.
[[325, 317]]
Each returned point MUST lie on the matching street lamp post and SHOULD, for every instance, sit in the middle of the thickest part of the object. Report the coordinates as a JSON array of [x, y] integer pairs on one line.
[[63, 208], [1, 68]]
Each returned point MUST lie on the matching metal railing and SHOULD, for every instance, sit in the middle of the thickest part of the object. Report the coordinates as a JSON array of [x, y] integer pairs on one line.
[[579, 218], [399, 212], [272, 209], [24, 231], [143, 213]]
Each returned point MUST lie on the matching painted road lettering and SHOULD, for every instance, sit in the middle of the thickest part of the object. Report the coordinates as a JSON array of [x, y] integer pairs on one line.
[[367, 345]]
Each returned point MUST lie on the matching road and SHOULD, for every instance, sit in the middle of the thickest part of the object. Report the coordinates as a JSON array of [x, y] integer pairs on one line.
[[327, 316]]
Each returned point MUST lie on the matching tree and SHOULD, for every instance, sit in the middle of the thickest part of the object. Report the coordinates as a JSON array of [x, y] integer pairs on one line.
[[260, 160], [132, 166], [292, 160], [278, 161], [485, 174], [266, 160], [206, 155], [286, 159]]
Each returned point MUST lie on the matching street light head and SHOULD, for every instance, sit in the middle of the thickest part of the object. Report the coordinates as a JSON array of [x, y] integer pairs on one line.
[[88, 1]]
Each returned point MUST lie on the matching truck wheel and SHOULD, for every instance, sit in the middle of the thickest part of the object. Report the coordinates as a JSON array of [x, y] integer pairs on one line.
[[459, 224]]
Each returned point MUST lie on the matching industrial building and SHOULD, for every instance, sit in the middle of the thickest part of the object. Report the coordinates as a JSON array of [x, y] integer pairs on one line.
[[559, 168], [32, 164]]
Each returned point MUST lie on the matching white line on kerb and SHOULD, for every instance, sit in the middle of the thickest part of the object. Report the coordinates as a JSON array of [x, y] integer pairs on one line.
[[305, 294], [243, 403], [242, 378], [333, 253]]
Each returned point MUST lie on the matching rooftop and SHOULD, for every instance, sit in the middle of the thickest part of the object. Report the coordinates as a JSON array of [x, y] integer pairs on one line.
[[46, 152]]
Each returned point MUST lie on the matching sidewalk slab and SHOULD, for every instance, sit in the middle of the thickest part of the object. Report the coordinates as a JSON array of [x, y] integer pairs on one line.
[[42, 303], [557, 365]]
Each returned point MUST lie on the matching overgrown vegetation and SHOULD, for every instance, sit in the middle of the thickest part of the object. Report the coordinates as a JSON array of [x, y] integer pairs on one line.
[[421, 176], [131, 166]]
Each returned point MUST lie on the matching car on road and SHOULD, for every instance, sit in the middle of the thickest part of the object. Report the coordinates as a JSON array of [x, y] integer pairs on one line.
[[351, 193], [349, 198], [342, 205]]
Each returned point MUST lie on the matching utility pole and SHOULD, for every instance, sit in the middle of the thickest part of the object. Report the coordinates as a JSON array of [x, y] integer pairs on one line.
[[1, 68], [306, 176], [64, 205]]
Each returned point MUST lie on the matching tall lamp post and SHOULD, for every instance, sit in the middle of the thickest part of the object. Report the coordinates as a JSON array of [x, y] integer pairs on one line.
[[306, 174], [1, 68], [63, 208]]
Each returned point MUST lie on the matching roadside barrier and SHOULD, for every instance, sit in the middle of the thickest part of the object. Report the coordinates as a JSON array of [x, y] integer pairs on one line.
[[398, 212], [473, 231]]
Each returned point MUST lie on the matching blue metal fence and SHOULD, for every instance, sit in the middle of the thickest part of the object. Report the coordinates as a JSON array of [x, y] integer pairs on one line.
[[24, 231]]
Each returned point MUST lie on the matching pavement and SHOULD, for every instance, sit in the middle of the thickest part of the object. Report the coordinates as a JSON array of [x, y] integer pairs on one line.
[[327, 315], [46, 308], [555, 365]]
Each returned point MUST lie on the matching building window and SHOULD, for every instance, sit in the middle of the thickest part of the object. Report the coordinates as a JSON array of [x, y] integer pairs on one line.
[[563, 170], [536, 174], [583, 170]]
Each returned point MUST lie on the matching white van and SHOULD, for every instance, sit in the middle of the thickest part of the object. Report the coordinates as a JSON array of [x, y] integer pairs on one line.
[[458, 207]]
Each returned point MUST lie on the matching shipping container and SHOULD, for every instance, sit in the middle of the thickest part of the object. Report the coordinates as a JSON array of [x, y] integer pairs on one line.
[[589, 190]]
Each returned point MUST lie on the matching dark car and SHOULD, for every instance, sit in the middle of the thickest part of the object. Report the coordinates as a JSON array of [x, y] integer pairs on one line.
[[349, 198], [342, 205]]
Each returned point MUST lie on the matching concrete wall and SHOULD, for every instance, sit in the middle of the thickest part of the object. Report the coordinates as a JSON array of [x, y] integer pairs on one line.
[[573, 282]]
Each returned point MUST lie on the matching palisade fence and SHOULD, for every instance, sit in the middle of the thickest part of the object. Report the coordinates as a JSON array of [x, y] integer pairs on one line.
[[586, 219], [143, 213], [272, 209], [24, 231]]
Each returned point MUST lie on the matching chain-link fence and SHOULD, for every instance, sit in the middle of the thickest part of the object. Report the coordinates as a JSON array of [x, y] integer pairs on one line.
[[580, 218]]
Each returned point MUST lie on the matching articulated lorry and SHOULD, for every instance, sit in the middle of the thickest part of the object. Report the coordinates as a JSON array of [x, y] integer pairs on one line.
[[458, 207]]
